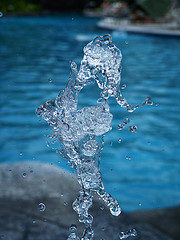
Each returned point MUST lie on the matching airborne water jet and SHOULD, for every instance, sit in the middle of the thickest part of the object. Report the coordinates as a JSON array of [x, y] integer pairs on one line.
[[81, 132]]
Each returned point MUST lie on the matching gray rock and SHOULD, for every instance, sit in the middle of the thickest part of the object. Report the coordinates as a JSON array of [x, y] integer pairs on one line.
[[165, 220], [32, 180], [20, 218]]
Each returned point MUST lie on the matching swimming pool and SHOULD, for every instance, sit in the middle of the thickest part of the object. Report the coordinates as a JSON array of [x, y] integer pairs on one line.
[[35, 55]]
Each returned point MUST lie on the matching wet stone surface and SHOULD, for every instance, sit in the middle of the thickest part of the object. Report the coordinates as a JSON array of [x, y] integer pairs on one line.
[[21, 217]]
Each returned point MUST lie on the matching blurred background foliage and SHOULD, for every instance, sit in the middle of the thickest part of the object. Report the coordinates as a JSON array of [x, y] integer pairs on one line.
[[152, 8], [19, 6]]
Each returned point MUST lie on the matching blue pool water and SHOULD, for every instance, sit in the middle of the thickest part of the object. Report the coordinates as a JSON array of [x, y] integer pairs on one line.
[[35, 54]]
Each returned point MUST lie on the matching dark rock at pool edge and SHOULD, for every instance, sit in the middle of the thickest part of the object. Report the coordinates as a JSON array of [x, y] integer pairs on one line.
[[35, 204]]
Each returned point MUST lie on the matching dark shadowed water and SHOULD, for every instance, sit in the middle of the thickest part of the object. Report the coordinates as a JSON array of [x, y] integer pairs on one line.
[[34, 65]]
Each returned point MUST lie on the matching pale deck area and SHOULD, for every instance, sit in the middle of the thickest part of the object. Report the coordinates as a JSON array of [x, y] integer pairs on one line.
[[164, 29]]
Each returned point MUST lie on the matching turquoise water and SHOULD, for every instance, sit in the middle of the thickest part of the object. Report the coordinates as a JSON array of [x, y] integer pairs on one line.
[[35, 54]]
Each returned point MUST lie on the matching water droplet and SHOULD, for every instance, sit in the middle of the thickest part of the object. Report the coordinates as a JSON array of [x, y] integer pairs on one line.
[[53, 141], [126, 120], [48, 144], [110, 91], [103, 229], [119, 140], [72, 235], [99, 100], [105, 94], [34, 221], [130, 108], [20, 153], [24, 174], [73, 228], [126, 42], [1, 14], [133, 129], [123, 86], [41, 207], [149, 101], [62, 194], [102, 208], [66, 204], [50, 80], [121, 126], [128, 157], [111, 143], [140, 204]]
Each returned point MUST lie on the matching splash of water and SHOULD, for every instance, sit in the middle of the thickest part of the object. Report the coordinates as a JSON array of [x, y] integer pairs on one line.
[[81, 132]]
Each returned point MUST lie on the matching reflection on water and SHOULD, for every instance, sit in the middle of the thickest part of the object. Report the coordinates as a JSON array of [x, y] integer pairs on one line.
[[35, 55]]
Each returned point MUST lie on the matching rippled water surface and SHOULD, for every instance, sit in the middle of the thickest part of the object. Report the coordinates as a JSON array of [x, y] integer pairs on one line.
[[142, 171]]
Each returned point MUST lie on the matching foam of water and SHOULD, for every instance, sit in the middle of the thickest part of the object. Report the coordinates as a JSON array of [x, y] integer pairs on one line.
[[81, 132]]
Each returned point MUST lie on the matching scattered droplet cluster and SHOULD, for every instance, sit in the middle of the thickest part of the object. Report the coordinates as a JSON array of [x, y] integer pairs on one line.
[[121, 126], [127, 234]]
